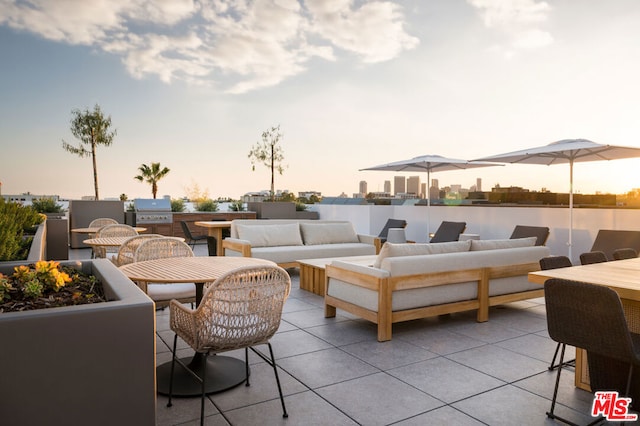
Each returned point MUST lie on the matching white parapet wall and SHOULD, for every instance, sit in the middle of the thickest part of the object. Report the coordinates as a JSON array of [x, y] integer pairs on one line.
[[491, 222]]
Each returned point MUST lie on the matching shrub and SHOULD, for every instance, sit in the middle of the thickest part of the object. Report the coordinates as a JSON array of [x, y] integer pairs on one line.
[[15, 221], [300, 207], [46, 205], [207, 206], [236, 206], [177, 205]]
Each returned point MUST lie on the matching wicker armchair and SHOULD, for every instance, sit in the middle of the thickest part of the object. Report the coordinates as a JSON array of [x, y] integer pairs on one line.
[[102, 221], [162, 248], [239, 310], [127, 251], [591, 317], [112, 230], [553, 262]]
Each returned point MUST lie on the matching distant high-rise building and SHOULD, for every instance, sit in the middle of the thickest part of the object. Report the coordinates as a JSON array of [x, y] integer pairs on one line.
[[363, 187], [387, 186], [479, 184], [413, 185], [423, 190], [434, 190], [398, 185]]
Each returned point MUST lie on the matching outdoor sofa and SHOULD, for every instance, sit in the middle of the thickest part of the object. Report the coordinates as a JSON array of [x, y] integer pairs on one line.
[[412, 281], [285, 241]]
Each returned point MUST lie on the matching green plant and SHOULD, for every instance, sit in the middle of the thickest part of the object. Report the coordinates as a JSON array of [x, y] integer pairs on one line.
[[300, 207], [15, 221], [207, 206], [177, 205], [92, 129], [269, 153], [236, 206], [46, 205], [152, 175]]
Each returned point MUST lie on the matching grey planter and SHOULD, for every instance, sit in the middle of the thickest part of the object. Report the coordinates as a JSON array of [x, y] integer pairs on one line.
[[78, 365]]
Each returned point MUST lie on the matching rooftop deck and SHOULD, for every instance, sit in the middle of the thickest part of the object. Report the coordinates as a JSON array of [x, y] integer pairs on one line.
[[448, 370]]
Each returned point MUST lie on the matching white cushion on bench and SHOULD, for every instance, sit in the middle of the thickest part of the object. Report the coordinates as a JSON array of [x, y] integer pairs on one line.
[[477, 245], [271, 235], [395, 250], [328, 233]]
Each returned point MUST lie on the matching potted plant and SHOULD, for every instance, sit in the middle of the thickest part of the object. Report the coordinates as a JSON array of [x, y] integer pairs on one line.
[[82, 364]]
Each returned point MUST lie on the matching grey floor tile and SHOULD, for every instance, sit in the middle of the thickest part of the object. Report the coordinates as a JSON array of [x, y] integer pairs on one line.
[[345, 332], [443, 416], [440, 341], [378, 399], [310, 318], [387, 355], [304, 409], [489, 332], [295, 305], [182, 410], [296, 342], [536, 346], [326, 367], [446, 380], [542, 384], [500, 363]]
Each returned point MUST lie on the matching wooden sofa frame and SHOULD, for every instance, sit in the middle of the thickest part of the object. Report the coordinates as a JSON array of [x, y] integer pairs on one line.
[[385, 287]]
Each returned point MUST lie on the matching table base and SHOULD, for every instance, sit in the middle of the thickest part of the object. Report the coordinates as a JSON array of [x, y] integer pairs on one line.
[[223, 373]]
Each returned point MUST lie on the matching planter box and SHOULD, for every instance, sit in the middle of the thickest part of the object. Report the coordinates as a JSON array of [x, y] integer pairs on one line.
[[87, 364]]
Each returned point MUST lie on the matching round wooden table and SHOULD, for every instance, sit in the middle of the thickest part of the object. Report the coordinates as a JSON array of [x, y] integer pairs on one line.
[[223, 372]]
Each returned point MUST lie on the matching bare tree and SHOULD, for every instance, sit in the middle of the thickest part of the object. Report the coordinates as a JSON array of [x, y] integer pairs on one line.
[[269, 153], [92, 129]]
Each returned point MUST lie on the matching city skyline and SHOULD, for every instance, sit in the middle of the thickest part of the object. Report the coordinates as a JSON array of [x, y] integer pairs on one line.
[[193, 84]]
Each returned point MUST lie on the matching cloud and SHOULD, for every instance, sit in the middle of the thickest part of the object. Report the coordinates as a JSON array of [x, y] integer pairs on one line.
[[519, 20], [241, 45]]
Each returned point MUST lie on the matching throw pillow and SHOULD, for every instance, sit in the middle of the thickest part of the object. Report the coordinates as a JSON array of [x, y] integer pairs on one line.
[[328, 233], [477, 245]]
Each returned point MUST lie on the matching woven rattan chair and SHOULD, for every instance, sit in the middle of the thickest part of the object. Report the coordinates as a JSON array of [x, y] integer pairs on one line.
[[553, 262], [591, 317], [127, 251], [162, 248], [112, 230], [102, 221], [624, 253], [239, 310], [592, 257]]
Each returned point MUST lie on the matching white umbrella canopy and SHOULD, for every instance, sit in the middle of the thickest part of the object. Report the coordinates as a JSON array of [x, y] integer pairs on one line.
[[566, 151], [429, 163]]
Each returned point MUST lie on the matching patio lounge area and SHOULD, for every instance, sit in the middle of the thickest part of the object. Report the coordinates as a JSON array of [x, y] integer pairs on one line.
[[438, 371]]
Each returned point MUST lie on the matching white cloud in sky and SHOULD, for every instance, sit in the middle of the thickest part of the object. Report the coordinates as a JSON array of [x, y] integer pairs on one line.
[[519, 20], [244, 44]]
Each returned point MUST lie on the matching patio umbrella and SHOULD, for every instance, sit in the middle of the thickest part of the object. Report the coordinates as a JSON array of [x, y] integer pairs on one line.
[[566, 151], [429, 163]]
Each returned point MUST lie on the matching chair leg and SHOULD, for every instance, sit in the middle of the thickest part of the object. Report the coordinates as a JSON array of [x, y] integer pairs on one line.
[[204, 386], [275, 370], [246, 366], [553, 364], [173, 366]]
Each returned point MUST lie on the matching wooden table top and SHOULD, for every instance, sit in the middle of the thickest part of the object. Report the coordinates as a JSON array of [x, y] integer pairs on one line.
[[365, 260], [187, 269], [623, 276], [213, 223], [107, 241]]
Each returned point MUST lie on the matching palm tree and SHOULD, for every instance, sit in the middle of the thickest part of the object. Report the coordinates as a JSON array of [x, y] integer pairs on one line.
[[152, 175]]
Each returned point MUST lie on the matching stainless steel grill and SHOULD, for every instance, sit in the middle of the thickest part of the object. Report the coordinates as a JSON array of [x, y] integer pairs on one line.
[[152, 211]]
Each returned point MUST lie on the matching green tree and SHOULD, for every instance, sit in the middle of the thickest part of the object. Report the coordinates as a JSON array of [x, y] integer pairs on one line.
[[92, 129], [152, 175], [269, 153]]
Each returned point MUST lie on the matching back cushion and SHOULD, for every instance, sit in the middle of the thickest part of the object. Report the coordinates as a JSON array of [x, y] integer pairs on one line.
[[271, 235], [477, 245], [395, 250], [328, 233]]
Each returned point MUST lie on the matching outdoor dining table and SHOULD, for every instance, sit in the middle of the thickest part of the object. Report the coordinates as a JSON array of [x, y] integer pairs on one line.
[[223, 372], [623, 276], [214, 229]]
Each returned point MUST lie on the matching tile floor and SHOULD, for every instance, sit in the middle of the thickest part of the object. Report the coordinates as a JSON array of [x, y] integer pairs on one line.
[[448, 370]]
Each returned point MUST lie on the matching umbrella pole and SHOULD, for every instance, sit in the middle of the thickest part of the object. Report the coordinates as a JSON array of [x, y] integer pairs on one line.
[[570, 207], [428, 205]]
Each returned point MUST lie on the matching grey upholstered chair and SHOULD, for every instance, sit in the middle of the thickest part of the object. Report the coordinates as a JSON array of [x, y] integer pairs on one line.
[[591, 317], [624, 253], [240, 310], [592, 257]]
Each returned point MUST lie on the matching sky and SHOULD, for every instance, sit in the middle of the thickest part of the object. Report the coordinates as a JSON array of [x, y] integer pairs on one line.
[[192, 84]]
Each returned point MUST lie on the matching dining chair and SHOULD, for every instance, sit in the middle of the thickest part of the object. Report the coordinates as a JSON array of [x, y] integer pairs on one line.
[[127, 251], [240, 310], [191, 239], [554, 262], [102, 221], [162, 248], [592, 257], [624, 253], [591, 317], [112, 230]]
